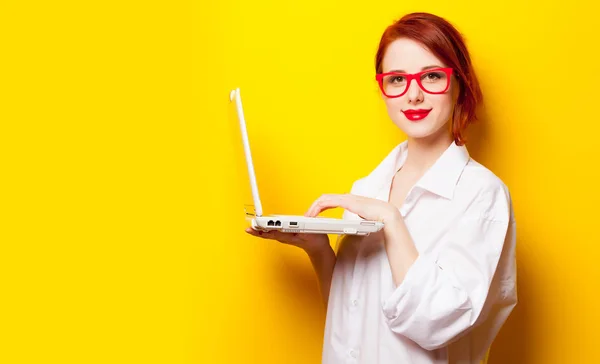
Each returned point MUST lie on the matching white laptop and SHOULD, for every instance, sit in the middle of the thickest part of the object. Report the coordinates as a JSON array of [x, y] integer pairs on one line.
[[292, 223]]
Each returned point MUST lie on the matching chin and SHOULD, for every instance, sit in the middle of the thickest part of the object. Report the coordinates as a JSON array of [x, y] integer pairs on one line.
[[417, 130], [421, 129], [419, 136]]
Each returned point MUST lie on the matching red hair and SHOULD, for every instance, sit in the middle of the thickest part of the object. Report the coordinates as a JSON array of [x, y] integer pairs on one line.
[[447, 44]]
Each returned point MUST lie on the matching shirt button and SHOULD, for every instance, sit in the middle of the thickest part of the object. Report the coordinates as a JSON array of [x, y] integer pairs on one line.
[[353, 353], [354, 303]]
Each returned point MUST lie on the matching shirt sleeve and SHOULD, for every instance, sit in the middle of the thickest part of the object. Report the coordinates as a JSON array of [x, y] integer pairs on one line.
[[444, 292]]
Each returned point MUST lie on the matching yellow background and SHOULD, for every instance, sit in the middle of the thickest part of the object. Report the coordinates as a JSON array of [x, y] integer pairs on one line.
[[122, 236]]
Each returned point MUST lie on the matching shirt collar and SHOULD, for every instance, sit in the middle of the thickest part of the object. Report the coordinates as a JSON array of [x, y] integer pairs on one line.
[[441, 178]]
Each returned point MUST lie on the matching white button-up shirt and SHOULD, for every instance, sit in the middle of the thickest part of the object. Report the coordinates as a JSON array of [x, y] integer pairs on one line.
[[457, 294]]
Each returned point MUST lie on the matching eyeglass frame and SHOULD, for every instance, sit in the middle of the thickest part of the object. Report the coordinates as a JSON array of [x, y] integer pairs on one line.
[[417, 77]]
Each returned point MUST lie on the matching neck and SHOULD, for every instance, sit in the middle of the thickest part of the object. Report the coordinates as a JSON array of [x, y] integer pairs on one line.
[[423, 152]]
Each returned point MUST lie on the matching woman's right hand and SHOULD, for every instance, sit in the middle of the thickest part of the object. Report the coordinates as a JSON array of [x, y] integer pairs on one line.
[[310, 243]]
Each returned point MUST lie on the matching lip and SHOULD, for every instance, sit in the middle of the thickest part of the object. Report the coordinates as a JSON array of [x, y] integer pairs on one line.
[[416, 114]]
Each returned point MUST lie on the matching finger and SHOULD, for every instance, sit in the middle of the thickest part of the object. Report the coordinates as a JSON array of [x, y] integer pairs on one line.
[[308, 212], [259, 233], [252, 231], [329, 202], [288, 238], [316, 206]]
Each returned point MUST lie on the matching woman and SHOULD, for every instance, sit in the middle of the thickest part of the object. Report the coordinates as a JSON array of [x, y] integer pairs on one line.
[[438, 282]]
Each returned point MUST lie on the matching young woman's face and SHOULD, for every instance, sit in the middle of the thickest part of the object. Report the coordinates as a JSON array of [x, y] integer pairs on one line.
[[417, 113]]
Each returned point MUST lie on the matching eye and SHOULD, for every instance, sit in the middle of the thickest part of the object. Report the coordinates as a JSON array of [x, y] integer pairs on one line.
[[397, 79], [433, 76]]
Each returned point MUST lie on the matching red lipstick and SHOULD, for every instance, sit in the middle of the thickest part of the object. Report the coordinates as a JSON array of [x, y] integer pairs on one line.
[[416, 114]]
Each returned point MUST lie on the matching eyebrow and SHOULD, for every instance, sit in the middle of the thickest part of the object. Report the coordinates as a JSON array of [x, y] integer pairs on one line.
[[422, 69]]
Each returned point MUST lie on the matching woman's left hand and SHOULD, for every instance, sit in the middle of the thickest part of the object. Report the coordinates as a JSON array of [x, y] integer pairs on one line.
[[366, 208]]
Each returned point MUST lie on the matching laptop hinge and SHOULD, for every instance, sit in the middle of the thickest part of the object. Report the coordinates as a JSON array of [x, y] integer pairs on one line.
[[250, 210]]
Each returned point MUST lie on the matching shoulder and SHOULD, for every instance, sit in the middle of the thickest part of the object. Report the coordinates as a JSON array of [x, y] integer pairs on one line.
[[485, 194]]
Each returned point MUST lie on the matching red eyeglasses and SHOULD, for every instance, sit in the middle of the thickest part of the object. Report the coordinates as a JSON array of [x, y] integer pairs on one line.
[[433, 81]]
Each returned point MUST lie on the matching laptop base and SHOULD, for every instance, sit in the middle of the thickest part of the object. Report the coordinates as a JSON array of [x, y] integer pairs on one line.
[[315, 225]]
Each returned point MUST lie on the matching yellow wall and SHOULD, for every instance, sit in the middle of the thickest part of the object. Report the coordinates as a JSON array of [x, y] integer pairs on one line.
[[118, 144]]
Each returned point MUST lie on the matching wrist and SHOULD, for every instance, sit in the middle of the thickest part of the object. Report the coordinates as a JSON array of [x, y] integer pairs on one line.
[[392, 218], [394, 228]]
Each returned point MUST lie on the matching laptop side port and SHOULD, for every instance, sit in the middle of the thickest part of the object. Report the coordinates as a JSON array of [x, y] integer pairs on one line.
[[293, 224], [271, 223], [277, 223]]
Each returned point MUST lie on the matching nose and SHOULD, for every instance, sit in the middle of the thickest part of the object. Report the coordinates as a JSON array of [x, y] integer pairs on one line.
[[414, 93]]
